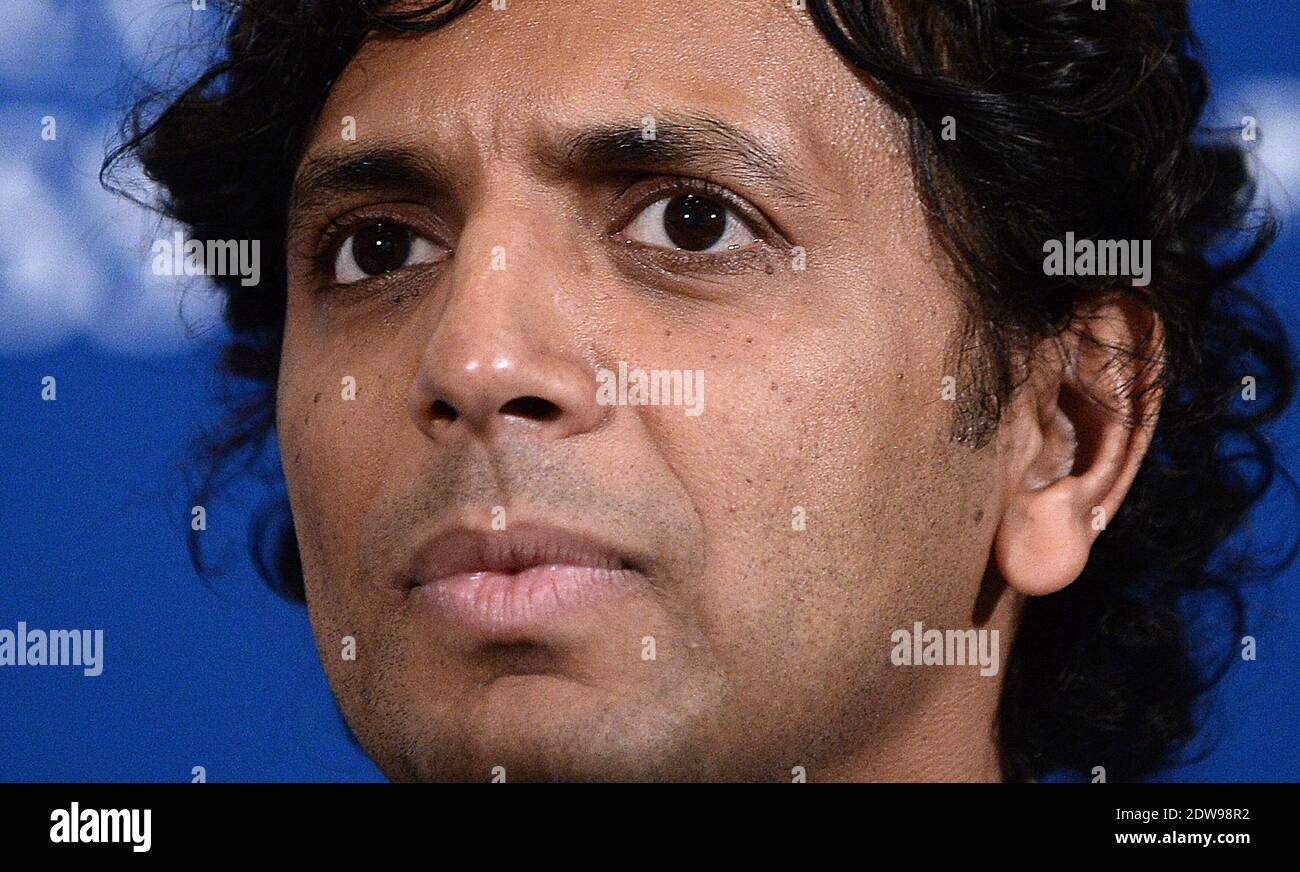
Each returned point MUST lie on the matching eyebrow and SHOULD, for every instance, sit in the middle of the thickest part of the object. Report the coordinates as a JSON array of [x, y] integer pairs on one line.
[[689, 144], [695, 144], [398, 167]]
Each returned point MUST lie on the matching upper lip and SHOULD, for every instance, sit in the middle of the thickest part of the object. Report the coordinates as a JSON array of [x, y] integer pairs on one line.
[[461, 549]]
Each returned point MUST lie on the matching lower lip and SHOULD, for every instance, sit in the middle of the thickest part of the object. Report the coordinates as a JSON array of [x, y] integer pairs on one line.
[[497, 603]]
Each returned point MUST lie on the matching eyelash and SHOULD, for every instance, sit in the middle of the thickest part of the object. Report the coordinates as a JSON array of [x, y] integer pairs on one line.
[[338, 230], [753, 219], [714, 191]]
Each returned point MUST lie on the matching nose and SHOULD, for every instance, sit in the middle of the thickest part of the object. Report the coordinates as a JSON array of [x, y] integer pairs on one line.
[[502, 358]]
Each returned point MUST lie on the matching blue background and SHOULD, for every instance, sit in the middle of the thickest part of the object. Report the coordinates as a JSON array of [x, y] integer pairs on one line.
[[93, 505]]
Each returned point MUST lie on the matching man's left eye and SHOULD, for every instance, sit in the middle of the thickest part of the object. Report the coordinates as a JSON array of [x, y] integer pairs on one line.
[[689, 222]]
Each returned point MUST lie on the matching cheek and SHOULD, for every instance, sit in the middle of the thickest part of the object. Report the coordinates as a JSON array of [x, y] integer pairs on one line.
[[330, 436], [830, 495]]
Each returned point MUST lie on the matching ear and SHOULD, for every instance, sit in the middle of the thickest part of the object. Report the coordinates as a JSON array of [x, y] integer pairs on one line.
[[1073, 441]]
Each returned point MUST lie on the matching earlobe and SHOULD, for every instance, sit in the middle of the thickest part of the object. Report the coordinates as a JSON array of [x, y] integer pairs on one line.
[[1043, 541]]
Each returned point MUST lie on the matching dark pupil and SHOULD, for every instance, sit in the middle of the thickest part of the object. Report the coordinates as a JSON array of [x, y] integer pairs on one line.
[[381, 248], [694, 223]]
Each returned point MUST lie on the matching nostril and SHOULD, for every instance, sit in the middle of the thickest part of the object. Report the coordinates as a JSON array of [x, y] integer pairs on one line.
[[532, 408], [443, 411]]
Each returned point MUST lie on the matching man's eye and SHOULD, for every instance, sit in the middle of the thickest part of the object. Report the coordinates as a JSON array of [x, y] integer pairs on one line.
[[380, 247], [689, 222]]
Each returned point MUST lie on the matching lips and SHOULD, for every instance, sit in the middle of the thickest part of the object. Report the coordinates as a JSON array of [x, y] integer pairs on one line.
[[518, 581]]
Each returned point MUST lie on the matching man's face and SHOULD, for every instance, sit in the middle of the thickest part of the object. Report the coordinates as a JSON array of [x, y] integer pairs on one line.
[[543, 581]]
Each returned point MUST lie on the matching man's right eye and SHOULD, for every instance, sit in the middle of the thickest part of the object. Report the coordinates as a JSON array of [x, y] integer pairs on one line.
[[380, 247]]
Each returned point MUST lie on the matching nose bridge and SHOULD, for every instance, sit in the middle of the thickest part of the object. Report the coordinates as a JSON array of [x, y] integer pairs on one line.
[[500, 355]]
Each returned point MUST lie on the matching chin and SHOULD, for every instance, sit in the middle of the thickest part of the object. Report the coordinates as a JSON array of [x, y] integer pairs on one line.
[[542, 728]]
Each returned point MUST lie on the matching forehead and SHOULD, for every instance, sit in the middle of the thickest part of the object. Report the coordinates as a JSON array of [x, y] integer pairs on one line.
[[498, 79]]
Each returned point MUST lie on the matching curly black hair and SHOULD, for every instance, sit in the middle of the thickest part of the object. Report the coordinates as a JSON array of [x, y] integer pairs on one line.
[[1068, 119]]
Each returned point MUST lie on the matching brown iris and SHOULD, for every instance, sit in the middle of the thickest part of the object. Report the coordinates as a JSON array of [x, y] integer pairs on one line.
[[694, 223], [381, 247]]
